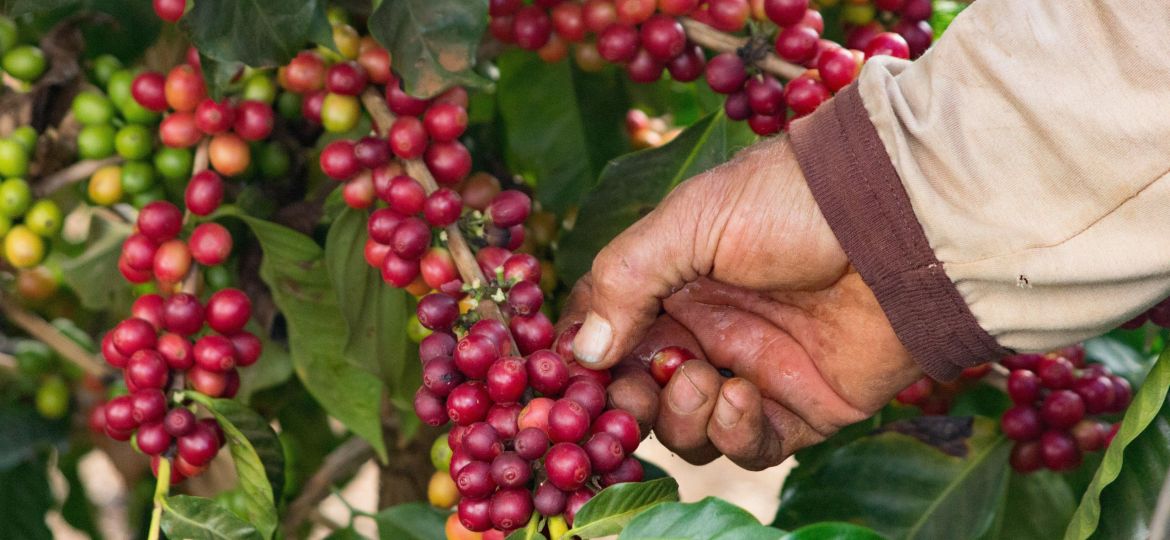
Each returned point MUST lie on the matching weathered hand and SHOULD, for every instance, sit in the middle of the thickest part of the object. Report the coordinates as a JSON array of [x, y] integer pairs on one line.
[[739, 266]]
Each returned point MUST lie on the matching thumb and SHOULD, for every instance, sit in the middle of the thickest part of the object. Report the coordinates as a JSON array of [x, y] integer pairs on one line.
[[647, 262]]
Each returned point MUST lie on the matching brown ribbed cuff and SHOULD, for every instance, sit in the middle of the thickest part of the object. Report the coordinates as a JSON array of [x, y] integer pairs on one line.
[[862, 198]]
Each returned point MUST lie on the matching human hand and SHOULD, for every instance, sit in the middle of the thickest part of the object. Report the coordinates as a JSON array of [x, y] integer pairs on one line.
[[752, 280]]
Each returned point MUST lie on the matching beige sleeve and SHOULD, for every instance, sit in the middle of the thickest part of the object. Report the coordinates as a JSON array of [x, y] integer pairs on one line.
[[1033, 143]]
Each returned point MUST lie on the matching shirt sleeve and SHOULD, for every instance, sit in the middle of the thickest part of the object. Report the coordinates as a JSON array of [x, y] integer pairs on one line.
[[1010, 190]]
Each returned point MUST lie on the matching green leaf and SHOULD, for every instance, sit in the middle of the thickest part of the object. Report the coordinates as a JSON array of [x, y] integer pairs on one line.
[[375, 314], [27, 434], [1020, 516], [197, 518], [630, 186], [1132, 462], [411, 521], [1120, 358], [294, 270], [708, 519], [25, 498], [99, 264], [259, 33], [562, 125], [257, 454], [614, 507], [347, 533], [433, 42], [927, 477], [833, 531]]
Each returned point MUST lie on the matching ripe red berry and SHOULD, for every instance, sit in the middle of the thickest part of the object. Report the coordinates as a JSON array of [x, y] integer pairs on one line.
[[1062, 409], [138, 252], [475, 514], [568, 421], [532, 333], [663, 37], [1021, 423], [198, 447], [548, 500], [785, 12], [397, 271], [531, 443], [440, 376], [254, 120], [445, 121], [688, 65], [505, 418], [436, 345], [338, 160], [1055, 372], [522, 267], [644, 68], [531, 27], [1089, 435], [152, 439], [605, 452], [474, 480], [618, 43], [210, 244], [475, 354], [468, 403], [630, 470], [403, 104], [1122, 393], [725, 73], [437, 311], [507, 379], [160, 221], [728, 15], [482, 442], [547, 372], [176, 350], [1097, 392], [148, 405], [346, 78], [148, 89], [448, 161], [797, 43], [511, 508], [888, 44], [213, 117], [179, 422], [1026, 457], [215, 353], [178, 130], [120, 414], [622, 425], [228, 310], [535, 414], [1059, 451], [916, 10], [183, 314], [133, 335], [1023, 386], [148, 307], [184, 88], [438, 268], [568, 21], [442, 207], [509, 470], [147, 369], [567, 466], [372, 152], [666, 361], [204, 193], [211, 383], [172, 261], [918, 35], [837, 67], [430, 408], [525, 298], [804, 94], [170, 10], [587, 393]]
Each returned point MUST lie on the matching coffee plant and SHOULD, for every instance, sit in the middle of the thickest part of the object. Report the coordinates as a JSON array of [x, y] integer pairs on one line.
[[313, 234]]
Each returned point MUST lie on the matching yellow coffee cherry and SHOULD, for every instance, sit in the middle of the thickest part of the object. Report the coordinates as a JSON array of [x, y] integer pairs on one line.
[[105, 186], [23, 248], [442, 491]]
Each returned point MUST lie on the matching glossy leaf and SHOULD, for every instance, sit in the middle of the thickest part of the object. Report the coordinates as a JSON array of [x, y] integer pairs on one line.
[[833, 531], [630, 187], [27, 434], [294, 270], [561, 125], [929, 477], [1036, 506], [256, 32], [25, 498], [433, 42], [530, 531], [258, 457], [613, 507], [1121, 358], [375, 314], [708, 519], [411, 521], [197, 518], [1132, 466]]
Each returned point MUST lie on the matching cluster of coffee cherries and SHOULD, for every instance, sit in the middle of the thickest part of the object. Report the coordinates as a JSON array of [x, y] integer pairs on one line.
[[169, 344], [935, 398], [909, 19], [531, 432], [647, 38], [329, 85], [192, 116], [26, 225], [155, 251], [1054, 395]]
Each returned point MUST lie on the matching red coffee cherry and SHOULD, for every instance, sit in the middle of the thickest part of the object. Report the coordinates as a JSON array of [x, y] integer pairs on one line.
[[445, 121], [254, 120], [179, 422], [531, 443], [440, 376], [149, 90], [482, 442], [547, 372], [346, 78], [622, 425], [510, 470], [629, 471], [213, 117], [200, 446], [160, 221], [532, 333], [228, 310], [210, 244], [338, 160], [507, 379], [215, 353], [204, 193], [568, 421], [567, 466], [177, 351], [429, 408], [147, 369], [475, 480], [148, 405], [133, 335], [511, 508], [183, 314], [436, 345], [468, 403], [535, 414], [666, 361], [504, 417]]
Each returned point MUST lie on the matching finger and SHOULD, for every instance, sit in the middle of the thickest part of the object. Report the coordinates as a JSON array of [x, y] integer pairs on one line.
[[741, 431], [669, 247], [577, 305], [687, 403], [633, 389]]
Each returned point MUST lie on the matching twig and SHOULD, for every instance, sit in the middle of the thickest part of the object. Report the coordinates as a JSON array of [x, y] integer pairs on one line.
[[460, 251], [74, 173], [49, 335], [161, 487], [718, 41], [344, 460]]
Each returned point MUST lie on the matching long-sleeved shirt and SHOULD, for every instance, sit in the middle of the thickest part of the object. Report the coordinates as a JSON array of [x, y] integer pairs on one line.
[[1010, 189]]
